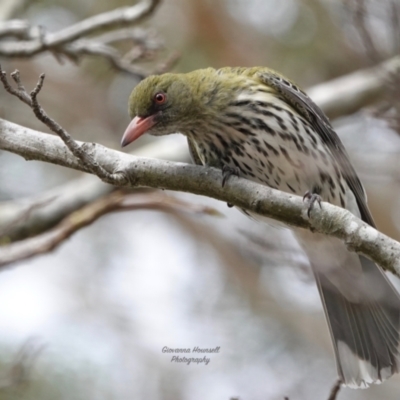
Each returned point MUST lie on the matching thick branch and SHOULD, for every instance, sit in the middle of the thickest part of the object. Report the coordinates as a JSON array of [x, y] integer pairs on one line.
[[337, 97], [144, 172], [68, 197], [329, 96]]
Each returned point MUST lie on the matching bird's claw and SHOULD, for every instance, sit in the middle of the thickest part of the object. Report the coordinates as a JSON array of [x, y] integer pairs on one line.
[[227, 172], [312, 198]]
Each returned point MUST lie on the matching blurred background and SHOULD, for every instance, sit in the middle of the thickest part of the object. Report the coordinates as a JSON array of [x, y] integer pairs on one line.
[[89, 320]]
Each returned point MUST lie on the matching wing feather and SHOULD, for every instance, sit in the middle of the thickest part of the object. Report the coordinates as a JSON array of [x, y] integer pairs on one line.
[[315, 116]]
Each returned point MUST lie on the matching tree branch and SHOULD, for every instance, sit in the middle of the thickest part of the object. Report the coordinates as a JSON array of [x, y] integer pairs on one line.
[[122, 170], [335, 390], [68, 197], [21, 217], [349, 93], [78, 151], [19, 372], [108, 20], [117, 201], [17, 28], [259, 199], [340, 96], [73, 41]]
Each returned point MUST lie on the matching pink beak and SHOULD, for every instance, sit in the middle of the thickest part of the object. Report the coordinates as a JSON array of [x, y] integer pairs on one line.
[[137, 127]]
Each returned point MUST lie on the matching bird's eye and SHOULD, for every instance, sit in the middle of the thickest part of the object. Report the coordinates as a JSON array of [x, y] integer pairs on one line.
[[160, 98]]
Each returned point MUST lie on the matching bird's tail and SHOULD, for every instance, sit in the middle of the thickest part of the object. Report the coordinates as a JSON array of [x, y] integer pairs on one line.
[[364, 322]]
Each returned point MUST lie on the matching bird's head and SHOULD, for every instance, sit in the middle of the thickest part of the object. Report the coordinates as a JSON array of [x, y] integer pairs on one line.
[[171, 103], [163, 104]]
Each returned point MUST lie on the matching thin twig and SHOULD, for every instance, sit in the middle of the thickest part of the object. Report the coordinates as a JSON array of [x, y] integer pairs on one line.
[[333, 393], [22, 95], [335, 390], [78, 151], [145, 45], [109, 53]]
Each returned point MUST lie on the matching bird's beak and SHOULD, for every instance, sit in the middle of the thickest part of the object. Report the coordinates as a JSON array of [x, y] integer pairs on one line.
[[137, 128]]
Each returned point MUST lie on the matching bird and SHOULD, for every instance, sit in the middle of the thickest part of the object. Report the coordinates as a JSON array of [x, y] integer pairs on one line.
[[255, 123]]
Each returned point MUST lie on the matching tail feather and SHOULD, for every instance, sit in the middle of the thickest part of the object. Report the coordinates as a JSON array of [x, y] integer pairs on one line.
[[365, 328]]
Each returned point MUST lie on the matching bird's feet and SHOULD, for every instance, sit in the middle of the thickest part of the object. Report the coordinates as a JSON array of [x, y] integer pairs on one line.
[[312, 198], [227, 172]]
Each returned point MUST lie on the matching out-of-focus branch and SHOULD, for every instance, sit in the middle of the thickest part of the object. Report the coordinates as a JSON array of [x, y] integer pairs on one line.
[[113, 56], [332, 395], [17, 224], [21, 367], [75, 41], [389, 110], [9, 8], [349, 93], [363, 16], [335, 390], [17, 28], [108, 20], [57, 203], [117, 201], [4, 230], [360, 18]]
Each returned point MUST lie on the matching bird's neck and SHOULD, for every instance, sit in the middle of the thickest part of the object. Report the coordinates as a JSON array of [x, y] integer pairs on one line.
[[230, 118]]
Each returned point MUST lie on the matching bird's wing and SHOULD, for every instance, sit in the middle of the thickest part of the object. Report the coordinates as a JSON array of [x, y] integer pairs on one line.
[[315, 116]]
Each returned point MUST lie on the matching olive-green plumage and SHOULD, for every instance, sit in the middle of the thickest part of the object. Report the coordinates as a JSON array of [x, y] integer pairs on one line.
[[194, 96], [258, 124]]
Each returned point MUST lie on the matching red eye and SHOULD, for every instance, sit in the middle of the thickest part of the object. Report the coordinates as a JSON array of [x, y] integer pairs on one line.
[[160, 98]]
